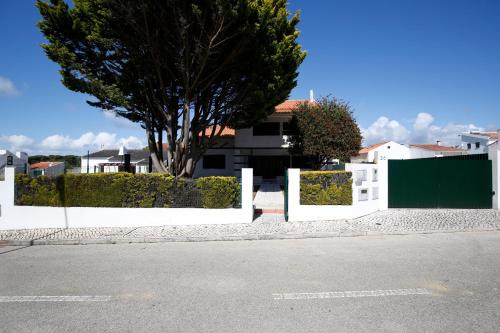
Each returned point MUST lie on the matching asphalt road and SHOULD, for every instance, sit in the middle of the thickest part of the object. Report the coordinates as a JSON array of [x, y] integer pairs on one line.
[[419, 283]]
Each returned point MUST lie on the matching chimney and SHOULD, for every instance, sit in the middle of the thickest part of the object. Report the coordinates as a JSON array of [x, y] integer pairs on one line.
[[438, 143], [311, 96]]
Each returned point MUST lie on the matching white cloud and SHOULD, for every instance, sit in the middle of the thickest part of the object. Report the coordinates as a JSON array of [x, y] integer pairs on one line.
[[16, 142], [7, 87], [384, 129], [60, 144], [422, 121], [423, 131]]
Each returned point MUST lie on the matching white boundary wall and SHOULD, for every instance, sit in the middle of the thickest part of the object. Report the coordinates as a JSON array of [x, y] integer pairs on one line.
[[369, 194], [27, 217]]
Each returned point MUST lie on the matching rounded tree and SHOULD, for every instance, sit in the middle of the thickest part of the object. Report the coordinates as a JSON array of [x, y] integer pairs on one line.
[[325, 130]]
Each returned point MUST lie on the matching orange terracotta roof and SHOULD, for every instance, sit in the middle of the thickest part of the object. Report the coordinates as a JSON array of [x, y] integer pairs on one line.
[[490, 135], [369, 148], [435, 147], [227, 131], [43, 165], [289, 106]]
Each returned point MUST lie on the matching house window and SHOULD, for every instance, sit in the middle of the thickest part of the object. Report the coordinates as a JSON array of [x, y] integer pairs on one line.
[[289, 129], [469, 146], [214, 162], [268, 129], [478, 144]]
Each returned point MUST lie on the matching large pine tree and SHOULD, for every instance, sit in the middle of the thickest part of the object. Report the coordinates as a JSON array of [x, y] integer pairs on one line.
[[178, 67]]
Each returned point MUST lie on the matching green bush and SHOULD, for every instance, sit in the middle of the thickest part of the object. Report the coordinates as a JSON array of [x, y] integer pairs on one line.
[[325, 188], [40, 191], [127, 190], [219, 192]]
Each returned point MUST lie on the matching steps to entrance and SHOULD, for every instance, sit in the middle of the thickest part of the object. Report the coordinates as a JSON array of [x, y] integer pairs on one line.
[[269, 200]]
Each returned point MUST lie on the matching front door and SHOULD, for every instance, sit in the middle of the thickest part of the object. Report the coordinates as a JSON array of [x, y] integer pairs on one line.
[[269, 167]]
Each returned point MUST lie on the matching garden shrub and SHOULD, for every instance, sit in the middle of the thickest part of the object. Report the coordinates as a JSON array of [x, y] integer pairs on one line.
[[127, 190], [325, 188], [40, 191], [219, 192]]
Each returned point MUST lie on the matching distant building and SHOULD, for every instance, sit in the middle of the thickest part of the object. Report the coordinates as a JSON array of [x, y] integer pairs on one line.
[[50, 169], [394, 151], [433, 150], [389, 150], [476, 142], [110, 160], [19, 160]]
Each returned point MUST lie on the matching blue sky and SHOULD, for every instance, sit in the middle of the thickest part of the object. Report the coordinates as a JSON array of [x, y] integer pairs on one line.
[[414, 71]]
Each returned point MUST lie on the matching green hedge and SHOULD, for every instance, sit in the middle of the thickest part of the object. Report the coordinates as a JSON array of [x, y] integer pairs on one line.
[[127, 190], [325, 188], [219, 192]]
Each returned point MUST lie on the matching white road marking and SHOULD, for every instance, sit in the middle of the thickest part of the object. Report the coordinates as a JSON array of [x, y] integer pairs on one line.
[[353, 294], [13, 299]]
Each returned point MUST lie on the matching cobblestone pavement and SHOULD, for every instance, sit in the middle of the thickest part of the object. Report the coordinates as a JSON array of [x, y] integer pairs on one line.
[[401, 221]]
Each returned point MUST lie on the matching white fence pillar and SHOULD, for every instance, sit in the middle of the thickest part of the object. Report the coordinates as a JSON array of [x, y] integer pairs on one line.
[[494, 156], [383, 179], [7, 191], [293, 193], [247, 193]]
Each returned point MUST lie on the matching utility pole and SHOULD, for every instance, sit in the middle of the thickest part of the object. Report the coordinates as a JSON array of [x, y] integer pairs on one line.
[[88, 159]]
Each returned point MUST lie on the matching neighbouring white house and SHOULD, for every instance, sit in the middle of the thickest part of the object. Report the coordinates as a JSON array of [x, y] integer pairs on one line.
[[433, 150], [111, 160], [18, 159], [476, 142], [50, 169], [389, 150]]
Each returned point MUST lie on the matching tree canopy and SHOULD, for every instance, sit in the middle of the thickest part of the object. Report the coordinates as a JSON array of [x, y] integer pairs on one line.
[[325, 130], [176, 67]]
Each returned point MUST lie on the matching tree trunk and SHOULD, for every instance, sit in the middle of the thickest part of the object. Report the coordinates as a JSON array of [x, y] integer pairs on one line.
[[155, 156]]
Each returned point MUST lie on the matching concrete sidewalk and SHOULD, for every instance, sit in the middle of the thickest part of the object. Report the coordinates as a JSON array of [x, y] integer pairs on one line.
[[401, 221]]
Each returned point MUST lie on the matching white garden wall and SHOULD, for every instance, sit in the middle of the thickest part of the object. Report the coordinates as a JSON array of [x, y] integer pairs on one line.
[[369, 194], [26, 217]]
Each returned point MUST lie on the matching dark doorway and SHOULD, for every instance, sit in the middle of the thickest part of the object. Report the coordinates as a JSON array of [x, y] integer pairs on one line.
[[269, 167]]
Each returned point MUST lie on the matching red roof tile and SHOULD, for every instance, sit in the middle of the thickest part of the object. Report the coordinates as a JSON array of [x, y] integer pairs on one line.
[[227, 131], [289, 106], [43, 165], [436, 147], [369, 148], [490, 135]]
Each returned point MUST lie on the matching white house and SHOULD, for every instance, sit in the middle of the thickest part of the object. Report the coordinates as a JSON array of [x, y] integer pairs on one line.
[[476, 142], [389, 150], [110, 160], [263, 147], [51, 169], [433, 150], [19, 160]]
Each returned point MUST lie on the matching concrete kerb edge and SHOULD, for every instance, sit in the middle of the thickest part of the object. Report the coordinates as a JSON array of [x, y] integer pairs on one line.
[[230, 238]]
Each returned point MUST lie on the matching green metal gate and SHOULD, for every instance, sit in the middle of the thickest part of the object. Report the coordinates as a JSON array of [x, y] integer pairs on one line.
[[440, 183]]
